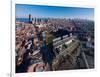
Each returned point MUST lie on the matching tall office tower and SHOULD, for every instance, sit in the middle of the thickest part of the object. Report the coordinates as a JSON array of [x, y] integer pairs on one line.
[[33, 20], [36, 21], [29, 18]]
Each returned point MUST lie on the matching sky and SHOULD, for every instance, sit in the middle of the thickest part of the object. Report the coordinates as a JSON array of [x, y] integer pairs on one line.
[[42, 11]]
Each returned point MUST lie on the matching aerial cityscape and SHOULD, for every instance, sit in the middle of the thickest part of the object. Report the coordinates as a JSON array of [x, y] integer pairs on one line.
[[53, 38]]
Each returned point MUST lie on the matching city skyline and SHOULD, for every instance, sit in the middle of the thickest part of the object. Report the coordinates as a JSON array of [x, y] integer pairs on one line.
[[43, 11]]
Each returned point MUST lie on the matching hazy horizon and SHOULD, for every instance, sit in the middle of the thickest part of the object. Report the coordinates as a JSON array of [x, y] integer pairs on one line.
[[42, 11]]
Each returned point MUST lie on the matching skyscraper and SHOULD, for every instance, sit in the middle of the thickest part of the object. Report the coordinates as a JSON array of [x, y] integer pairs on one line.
[[29, 18]]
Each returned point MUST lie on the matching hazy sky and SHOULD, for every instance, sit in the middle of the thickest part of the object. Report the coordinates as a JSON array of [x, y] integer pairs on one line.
[[23, 10]]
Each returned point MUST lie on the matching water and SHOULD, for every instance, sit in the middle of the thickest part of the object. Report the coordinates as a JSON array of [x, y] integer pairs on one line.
[[22, 20], [26, 20]]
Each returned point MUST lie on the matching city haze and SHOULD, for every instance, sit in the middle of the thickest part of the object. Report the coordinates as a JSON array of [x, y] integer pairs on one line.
[[42, 11]]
